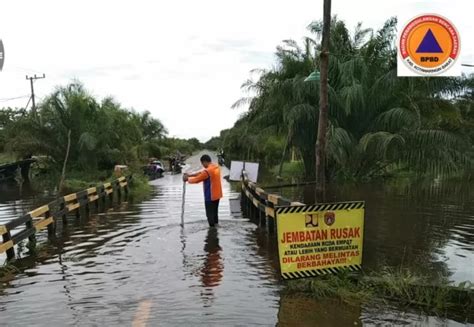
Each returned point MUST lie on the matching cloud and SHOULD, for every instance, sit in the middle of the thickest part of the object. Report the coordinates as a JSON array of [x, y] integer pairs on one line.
[[98, 71], [184, 61]]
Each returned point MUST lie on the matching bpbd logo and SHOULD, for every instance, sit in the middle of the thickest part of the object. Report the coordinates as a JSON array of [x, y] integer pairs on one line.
[[429, 45]]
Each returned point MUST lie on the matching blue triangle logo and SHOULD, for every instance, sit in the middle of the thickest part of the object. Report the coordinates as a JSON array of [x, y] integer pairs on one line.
[[429, 44]]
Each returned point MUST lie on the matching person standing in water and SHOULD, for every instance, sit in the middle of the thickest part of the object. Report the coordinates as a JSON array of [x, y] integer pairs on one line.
[[210, 176]]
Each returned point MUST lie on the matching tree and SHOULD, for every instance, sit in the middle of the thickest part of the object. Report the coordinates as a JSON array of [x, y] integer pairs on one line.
[[214, 143], [195, 143], [323, 103], [79, 133], [378, 124]]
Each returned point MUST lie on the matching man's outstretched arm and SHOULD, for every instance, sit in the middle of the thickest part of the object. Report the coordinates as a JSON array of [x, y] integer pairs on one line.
[[193, 174], [196, 177]]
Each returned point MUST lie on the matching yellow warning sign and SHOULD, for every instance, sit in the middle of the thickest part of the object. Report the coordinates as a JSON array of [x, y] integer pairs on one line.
[[320, 239]]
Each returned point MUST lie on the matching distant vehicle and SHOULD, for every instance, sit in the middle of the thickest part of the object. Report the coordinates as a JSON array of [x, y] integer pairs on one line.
[[154, 169], [220, 158], [176, 163]]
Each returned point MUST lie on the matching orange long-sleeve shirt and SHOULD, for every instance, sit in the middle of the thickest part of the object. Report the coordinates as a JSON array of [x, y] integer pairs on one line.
[[211, 178]]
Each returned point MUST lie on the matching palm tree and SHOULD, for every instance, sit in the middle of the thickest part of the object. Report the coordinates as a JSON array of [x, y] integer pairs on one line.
[[378, 123]]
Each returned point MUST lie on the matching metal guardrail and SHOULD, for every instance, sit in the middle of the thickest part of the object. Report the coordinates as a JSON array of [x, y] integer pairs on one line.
[[47, 215], [260, 205]]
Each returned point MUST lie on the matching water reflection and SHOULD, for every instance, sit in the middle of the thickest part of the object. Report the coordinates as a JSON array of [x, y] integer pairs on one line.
[[212, 268], [304, 311]]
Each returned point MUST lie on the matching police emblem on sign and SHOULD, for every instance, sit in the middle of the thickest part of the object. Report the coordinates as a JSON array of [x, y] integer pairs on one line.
[[329, 218], [311, 220], [2, 55]]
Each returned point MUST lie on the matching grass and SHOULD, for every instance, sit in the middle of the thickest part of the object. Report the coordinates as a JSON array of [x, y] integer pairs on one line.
[[47, 177], [78, 180], [399, 286], [6, 158], [290, 170], [343, 287], [139, 186], [411, 289], [75, 180], [140, 189]]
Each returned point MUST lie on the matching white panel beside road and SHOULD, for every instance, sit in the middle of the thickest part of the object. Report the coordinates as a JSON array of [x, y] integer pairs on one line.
[[236, 168]]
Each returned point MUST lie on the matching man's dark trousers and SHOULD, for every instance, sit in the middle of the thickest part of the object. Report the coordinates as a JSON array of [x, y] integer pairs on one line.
[[212, 209]]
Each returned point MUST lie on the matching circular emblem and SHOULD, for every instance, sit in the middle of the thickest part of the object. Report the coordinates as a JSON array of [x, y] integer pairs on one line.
[[329, 218], [429, 44]]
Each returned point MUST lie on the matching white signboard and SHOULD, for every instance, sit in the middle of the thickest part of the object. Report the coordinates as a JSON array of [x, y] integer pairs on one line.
[[236, 168]]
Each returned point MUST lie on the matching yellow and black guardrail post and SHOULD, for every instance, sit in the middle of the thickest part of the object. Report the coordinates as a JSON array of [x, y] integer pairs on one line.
[[47, 215]]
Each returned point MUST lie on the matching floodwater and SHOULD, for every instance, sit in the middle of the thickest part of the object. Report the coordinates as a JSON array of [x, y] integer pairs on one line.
[[409, 223], [135, 265]]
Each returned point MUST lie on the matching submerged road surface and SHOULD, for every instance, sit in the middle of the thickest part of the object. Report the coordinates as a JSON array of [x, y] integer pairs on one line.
[[137, 266]]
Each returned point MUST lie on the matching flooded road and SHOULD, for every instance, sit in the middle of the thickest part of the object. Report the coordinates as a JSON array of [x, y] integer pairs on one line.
[[113, 262], [137, 265]]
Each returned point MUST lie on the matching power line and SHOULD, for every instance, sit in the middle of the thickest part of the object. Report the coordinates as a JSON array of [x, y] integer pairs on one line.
[[14, 98], [28, 103]]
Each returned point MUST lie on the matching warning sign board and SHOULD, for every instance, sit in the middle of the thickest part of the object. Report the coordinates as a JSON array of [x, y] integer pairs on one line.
[[319, 239]]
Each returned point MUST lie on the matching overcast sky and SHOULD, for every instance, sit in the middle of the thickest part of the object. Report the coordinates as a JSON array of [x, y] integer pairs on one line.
[[182, 60]]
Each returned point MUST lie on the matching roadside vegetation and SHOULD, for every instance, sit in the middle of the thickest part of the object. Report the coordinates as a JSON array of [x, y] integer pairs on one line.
[[393, 286], [79, 139], [380, 125]]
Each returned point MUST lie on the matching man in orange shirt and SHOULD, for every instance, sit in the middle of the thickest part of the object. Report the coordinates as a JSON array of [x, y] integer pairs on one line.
[[211, 178]]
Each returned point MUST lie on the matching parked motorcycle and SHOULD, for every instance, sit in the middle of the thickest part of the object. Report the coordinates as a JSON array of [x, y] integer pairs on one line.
[[154, 169]]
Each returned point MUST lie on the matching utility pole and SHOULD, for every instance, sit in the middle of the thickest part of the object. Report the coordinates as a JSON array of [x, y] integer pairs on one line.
[[33, 103], [323, 105]]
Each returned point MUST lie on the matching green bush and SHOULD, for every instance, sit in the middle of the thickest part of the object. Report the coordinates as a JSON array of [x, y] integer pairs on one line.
[[140, 188], [290, 170]]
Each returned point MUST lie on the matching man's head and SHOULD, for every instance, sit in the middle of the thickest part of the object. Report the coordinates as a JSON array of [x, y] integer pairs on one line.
[[205, 160]]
